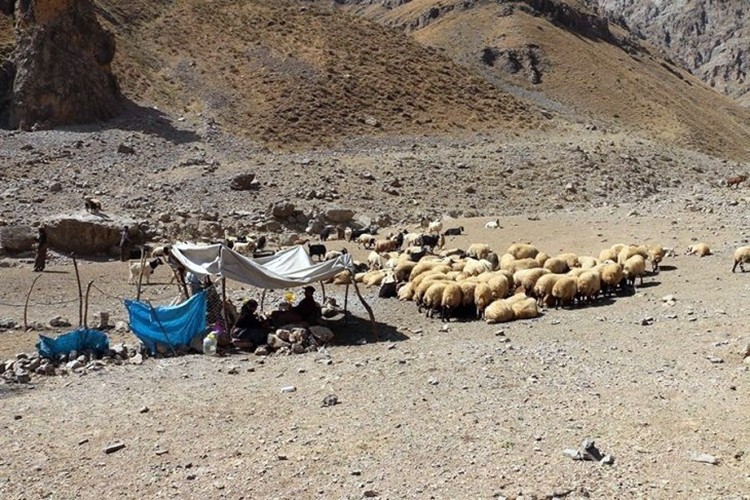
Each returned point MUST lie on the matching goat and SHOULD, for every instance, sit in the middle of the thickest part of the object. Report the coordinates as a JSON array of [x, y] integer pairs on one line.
[[433, 240], [92, 204], [493, 224], [319, 250], [147, 270], [736, 180], [454, 231]]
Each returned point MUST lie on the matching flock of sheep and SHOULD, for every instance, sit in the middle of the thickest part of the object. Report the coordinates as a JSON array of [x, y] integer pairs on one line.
[[479, 283]]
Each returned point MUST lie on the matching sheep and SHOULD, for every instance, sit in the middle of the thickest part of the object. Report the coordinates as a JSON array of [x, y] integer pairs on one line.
[[542, 258], [432, 299], [499, 312], [527, 278], [435, 227], [146, 270], [342, 278], [422, 266], [507, 260], [543, 286], [556, 265], [452, 300], [634, 268], [741, 256], [499, 285], [454, 231], [611, 276], [608, 254], [92, 205], [478, 251], [493, 224], [335, 254], [736, 180], [317, 249], [618, 247], [467, 292], [655, 254], [564, 291], [522, 251], [374, 278], [588, 262], [348, 234], [386, 246], [630, 251], [570, 258], [476, 267], [247, 248], [699, 249], [403, 269], [375, 261], [453, 252], [366, 240], [589, 284], [524, 308], [421, 287], [413, 239], [406, 292], [521, 264], [356, 233], [482, 298]]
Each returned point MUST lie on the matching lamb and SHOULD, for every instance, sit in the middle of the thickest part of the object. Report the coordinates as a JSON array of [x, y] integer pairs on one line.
[[699, 249], [366, 240], [454, 231], [564, 291], [318, 249], [146, 270], [493, 224], [589, 284], [499, 312], [741, 256], [161, 251], [522, 251], [478, 251], [655, 254], [482, 298], [736, 180], [452, 300], [634, 267], [246, 248], [92, 205], [375, 261], [335, 254], [435, 227]]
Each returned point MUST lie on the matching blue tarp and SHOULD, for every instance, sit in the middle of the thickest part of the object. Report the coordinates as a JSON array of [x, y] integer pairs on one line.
[[182, 323], [78, 340]]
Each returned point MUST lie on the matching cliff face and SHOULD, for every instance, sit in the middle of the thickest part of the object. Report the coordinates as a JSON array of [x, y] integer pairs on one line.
[[59, 72], [711, 38]]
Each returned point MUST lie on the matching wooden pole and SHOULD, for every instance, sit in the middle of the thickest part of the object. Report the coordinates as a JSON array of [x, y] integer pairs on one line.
[[26, 304], [367, 308], [153, 313], [224, 304], [140, 275], [346, 305], [262, 299], [86, 305], [323, 288], [80, 291]]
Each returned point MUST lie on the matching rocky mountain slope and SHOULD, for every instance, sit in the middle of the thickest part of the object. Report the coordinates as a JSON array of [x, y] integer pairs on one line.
[[566, 58], [710, 38]]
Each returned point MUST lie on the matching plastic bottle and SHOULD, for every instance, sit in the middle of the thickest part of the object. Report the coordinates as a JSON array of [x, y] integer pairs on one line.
[[209, 344]]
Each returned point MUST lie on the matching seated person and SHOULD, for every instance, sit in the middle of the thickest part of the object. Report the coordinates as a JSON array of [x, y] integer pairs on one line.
[[307, 309], [250, 330]]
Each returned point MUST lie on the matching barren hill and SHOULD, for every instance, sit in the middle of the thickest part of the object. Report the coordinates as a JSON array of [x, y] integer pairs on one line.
[[289, 73], [567, 58]]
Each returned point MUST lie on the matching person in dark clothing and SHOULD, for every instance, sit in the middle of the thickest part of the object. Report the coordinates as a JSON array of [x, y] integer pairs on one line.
[[308, 309], [124, 244], [41, 250], [250, 330]]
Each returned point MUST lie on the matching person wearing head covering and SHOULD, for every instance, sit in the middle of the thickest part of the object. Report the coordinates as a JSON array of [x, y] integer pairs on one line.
[[250, 330], [124, 244], [308, 309], [41, 250]]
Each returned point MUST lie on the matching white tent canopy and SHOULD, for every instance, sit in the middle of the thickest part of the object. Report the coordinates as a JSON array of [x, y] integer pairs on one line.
[[287, 268]]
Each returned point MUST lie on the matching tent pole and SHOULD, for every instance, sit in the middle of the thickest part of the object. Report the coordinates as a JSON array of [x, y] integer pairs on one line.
[[368, 308], [262, 299], [323, 288], [346, 304], [140, 275], [80, 291], [153, 313], [224, 303]]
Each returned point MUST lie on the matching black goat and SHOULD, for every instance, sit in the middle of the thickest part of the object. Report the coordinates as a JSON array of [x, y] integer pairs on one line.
[[326, 232], [454, 231], [432, 240], [319, 250]]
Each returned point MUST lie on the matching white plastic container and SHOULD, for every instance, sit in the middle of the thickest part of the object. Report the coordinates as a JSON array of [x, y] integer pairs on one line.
[[209, 344]]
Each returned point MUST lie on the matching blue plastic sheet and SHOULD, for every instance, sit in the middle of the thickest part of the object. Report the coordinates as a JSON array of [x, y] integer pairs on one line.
[[170, 326], [79, 340]]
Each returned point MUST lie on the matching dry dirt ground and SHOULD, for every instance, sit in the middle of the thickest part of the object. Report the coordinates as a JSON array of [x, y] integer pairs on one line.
[[424, 412]]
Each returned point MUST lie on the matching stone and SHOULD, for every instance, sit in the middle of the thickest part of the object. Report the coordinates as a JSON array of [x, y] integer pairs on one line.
[[55, 187], [275, 342], [9, 324], [243, 182], [371, 121], [58, 322], [125, 149], [15, 239], [121, 326], [233, 370], [433, 381], [370, 493], [101, 320], [88, 234], [137, 359], [75, 364], [288, 389], [117, 446], [22, 376], [330, 400], [703, 458], [322, 333], [339, 215], [744, 352], [144, 409], [282, 209], [262, 350]]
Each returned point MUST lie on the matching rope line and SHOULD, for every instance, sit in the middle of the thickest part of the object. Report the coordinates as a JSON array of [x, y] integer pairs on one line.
[[8, 304], [121, 299]]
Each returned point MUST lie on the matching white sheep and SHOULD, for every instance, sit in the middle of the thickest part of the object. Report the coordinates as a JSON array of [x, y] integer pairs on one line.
[[493, 224], [634, 267], [478, 251], [564, 291], [741, 256], [245, 248], [589, 284], [543, 287], [524, 308], [146, 270], [375, 261], [435, 227], [522, 251], [611, 276], [500, 311], [699, 249], [452, 299]]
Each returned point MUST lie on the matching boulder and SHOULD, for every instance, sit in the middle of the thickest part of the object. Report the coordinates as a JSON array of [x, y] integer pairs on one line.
[[14, 239], [89, 234], [282, 209], [243, 182], [339, 215], [62, 61], [322, 333]]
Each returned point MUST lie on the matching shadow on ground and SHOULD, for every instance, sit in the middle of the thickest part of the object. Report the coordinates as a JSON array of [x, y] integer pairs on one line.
[[357, 331]]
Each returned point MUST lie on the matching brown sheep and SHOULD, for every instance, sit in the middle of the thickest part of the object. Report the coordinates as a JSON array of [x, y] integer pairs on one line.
[[736, 180]]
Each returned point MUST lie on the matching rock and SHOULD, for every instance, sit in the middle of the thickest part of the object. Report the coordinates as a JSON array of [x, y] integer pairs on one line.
[[9, 324], [101, 320], [16, 239], [745, 352], [63, 69], [647, 321], [137, 359], [75, 364], [125, 149], [372, 121], [114, 447], [703, 458], [322, 333], [121, 326], [338, 215], [282, 209], [570, 187], [275, 342], [233, 370], [288, 389], [370, 493], [55, 187], [714, 359], [144, 409], [330, 400], [262, 350], [89, 234], [243, 182], [58, 322], [283, 334], [22, 376], [433, 381]]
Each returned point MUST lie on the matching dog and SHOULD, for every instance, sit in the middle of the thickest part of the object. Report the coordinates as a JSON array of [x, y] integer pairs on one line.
[[147, 270]]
